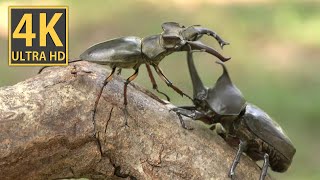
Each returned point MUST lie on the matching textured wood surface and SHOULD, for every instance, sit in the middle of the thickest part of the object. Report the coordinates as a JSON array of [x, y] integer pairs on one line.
[[46, 132]]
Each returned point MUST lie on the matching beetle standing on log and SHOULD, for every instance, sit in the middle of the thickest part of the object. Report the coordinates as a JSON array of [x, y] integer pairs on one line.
[[131, 52], [243, 124]]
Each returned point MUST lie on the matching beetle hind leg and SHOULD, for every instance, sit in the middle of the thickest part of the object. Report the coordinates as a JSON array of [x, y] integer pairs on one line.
[[98, 98], [242, 148], [125, 102], [264, 167]]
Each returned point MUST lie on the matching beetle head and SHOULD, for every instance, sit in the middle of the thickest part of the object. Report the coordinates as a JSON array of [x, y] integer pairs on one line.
[[171, 37], [179, 38]]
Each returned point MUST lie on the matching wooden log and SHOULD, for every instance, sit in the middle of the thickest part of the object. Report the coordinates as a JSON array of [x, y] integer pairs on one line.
[[46, 132]]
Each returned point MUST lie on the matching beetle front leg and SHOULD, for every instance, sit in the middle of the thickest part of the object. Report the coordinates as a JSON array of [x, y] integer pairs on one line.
[[265, 166], [168, 82], [185, 112], [191, 112], [125, 102], [153, 81], [183, 124], [242, 148]]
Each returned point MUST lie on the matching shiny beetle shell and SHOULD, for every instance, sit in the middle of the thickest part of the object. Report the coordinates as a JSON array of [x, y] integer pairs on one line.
[[268, 130], [122, 52], [225, 98]]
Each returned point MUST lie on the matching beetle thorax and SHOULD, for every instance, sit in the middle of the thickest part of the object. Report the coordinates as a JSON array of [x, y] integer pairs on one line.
[[152, 49]]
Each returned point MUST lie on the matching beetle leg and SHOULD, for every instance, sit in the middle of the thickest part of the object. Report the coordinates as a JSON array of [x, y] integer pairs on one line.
[[168, 82], [187, 111], [98, 97], [200, 46], [119, 71], [264, 167], [191, 112], [154, 83], [242, 147], [183, 124], [185, 107], [125, 102]]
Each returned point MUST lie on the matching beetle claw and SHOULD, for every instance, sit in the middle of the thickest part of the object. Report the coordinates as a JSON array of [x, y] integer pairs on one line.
[[126, 114], [231, 175]]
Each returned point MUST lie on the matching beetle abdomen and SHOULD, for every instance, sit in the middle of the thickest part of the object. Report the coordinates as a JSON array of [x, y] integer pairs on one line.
[[257, 148], [278, 162], [268, 130], [122, 52]]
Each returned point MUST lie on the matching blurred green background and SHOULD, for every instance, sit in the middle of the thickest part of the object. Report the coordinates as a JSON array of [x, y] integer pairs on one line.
[[275, 50]]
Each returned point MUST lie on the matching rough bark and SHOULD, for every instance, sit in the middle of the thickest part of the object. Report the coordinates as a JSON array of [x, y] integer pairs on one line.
[[46, 132]]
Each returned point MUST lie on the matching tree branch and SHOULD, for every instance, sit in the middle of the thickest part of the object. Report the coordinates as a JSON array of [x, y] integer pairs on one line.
[[46, 132]]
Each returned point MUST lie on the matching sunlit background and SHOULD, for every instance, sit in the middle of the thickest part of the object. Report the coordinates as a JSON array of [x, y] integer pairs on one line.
[[275, 50]]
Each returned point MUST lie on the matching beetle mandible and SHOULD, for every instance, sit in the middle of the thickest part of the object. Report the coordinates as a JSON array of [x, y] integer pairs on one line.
[[244, 124]]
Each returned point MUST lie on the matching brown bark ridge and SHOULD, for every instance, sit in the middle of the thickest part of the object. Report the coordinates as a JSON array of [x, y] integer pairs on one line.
[[46, 132]]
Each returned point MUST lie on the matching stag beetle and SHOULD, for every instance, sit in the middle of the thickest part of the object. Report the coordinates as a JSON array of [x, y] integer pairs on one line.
[[244, 124], [131, 52]]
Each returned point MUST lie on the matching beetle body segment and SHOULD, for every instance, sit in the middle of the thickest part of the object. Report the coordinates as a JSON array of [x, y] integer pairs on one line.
[[153, 50], [122, 52], [225, 98], [270, 132]]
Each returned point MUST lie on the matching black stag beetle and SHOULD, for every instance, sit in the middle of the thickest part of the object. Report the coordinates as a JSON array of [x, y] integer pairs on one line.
[[243, 124], [131, 52]]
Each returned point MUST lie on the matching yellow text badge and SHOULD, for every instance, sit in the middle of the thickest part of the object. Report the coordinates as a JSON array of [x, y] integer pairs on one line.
[[38, 36]]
